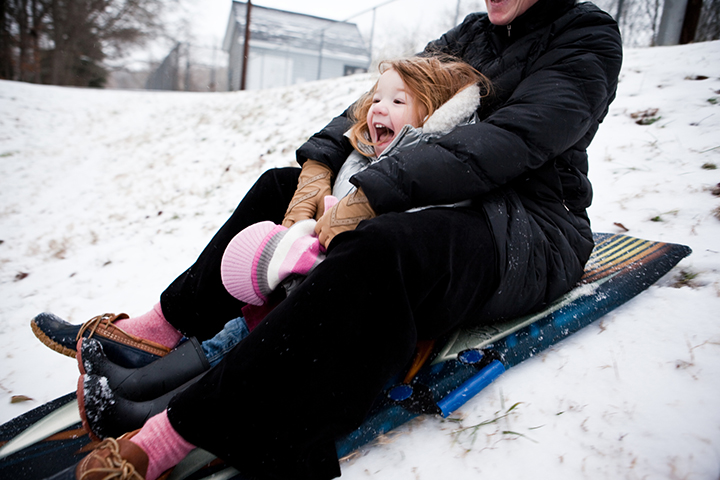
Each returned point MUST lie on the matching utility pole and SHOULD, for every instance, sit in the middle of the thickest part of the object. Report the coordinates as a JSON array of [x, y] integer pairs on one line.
[[320, 53], [372, 35], [690, 23], [619, 13], [187, 66], [214, 66], [246, 46]]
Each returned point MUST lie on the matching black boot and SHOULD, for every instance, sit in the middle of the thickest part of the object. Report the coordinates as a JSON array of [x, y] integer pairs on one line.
[[105, 414], [145, 383]]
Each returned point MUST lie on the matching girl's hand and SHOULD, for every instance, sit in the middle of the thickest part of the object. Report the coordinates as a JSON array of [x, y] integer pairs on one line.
[[344, 216], [313, 185]]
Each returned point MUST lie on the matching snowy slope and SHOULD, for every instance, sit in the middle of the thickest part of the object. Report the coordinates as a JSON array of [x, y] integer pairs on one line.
[[105, 196]]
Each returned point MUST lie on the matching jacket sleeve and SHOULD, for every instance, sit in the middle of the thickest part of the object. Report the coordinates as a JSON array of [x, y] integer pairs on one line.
[[329, 145], [564, 92]]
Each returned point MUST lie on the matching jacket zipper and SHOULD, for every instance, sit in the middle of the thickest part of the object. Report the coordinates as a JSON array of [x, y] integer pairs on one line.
[[508, 28]]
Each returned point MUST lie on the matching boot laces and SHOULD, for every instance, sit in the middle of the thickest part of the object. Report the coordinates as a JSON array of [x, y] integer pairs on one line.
[[115, 467], [95, 322]]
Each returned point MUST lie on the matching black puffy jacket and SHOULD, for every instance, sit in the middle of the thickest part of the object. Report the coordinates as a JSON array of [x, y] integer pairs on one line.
[[554, 72]]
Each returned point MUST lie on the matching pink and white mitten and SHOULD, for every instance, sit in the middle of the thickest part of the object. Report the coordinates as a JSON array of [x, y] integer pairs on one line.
[[263, 255]]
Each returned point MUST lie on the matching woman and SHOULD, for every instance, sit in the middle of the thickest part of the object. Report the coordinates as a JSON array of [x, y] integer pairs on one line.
[[275, 404]]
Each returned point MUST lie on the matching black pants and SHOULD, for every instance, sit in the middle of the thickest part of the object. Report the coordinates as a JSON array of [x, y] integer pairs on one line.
[[310, 371]]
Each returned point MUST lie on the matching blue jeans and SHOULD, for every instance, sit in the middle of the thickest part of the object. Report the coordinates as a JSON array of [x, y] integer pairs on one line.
[[216, 347]]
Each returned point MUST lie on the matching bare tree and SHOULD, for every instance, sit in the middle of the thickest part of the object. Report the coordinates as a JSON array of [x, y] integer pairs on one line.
[[20, 32], [709, 24], [397, 41], [65, 42], [640, 20], [6, 64], [652, 11]]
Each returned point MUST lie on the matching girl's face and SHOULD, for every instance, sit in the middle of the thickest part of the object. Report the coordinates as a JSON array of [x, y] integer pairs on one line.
[[392, 108]]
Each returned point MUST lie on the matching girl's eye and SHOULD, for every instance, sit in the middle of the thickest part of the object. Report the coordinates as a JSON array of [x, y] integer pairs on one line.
[[399, 101]]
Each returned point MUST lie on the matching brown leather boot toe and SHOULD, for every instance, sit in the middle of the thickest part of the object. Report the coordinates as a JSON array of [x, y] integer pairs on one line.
[[118, 459]]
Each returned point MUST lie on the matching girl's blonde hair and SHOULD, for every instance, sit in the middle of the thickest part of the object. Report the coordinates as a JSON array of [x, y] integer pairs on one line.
[[431, 81]]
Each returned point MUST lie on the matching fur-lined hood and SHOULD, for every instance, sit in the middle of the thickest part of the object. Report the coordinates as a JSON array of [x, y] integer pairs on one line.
[[459, 109]]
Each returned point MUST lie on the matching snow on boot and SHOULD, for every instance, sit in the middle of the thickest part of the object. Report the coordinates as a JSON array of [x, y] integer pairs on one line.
[[105, 414], [182, 364]]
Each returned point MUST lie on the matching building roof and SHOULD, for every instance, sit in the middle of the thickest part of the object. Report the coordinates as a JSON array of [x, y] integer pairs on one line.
[[296, 31]]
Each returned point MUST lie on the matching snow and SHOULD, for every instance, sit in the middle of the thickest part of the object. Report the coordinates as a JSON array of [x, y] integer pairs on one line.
[[105, 196]]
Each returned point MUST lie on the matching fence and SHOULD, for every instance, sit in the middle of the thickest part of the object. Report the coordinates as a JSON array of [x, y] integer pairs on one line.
[[182, 69]]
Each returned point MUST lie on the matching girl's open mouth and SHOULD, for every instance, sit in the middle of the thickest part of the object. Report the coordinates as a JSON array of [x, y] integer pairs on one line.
[[383, 134]]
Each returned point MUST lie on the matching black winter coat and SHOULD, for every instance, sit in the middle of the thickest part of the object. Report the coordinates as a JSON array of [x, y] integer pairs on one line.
[[554, 72]]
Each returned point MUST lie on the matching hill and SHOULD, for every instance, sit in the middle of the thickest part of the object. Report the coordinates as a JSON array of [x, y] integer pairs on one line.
[[105, 196]]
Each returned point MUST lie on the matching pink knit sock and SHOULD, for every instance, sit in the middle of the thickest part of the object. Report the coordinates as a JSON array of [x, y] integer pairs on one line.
[[152, 326], [163, 445]]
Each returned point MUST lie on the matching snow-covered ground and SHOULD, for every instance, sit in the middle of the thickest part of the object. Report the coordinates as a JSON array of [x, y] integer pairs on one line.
[[105, 196]]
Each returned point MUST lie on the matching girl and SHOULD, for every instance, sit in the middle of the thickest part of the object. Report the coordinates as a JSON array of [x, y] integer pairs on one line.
[[413, 101]]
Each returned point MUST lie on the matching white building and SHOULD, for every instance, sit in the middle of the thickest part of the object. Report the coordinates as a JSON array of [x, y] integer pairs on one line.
[[286, 48]]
